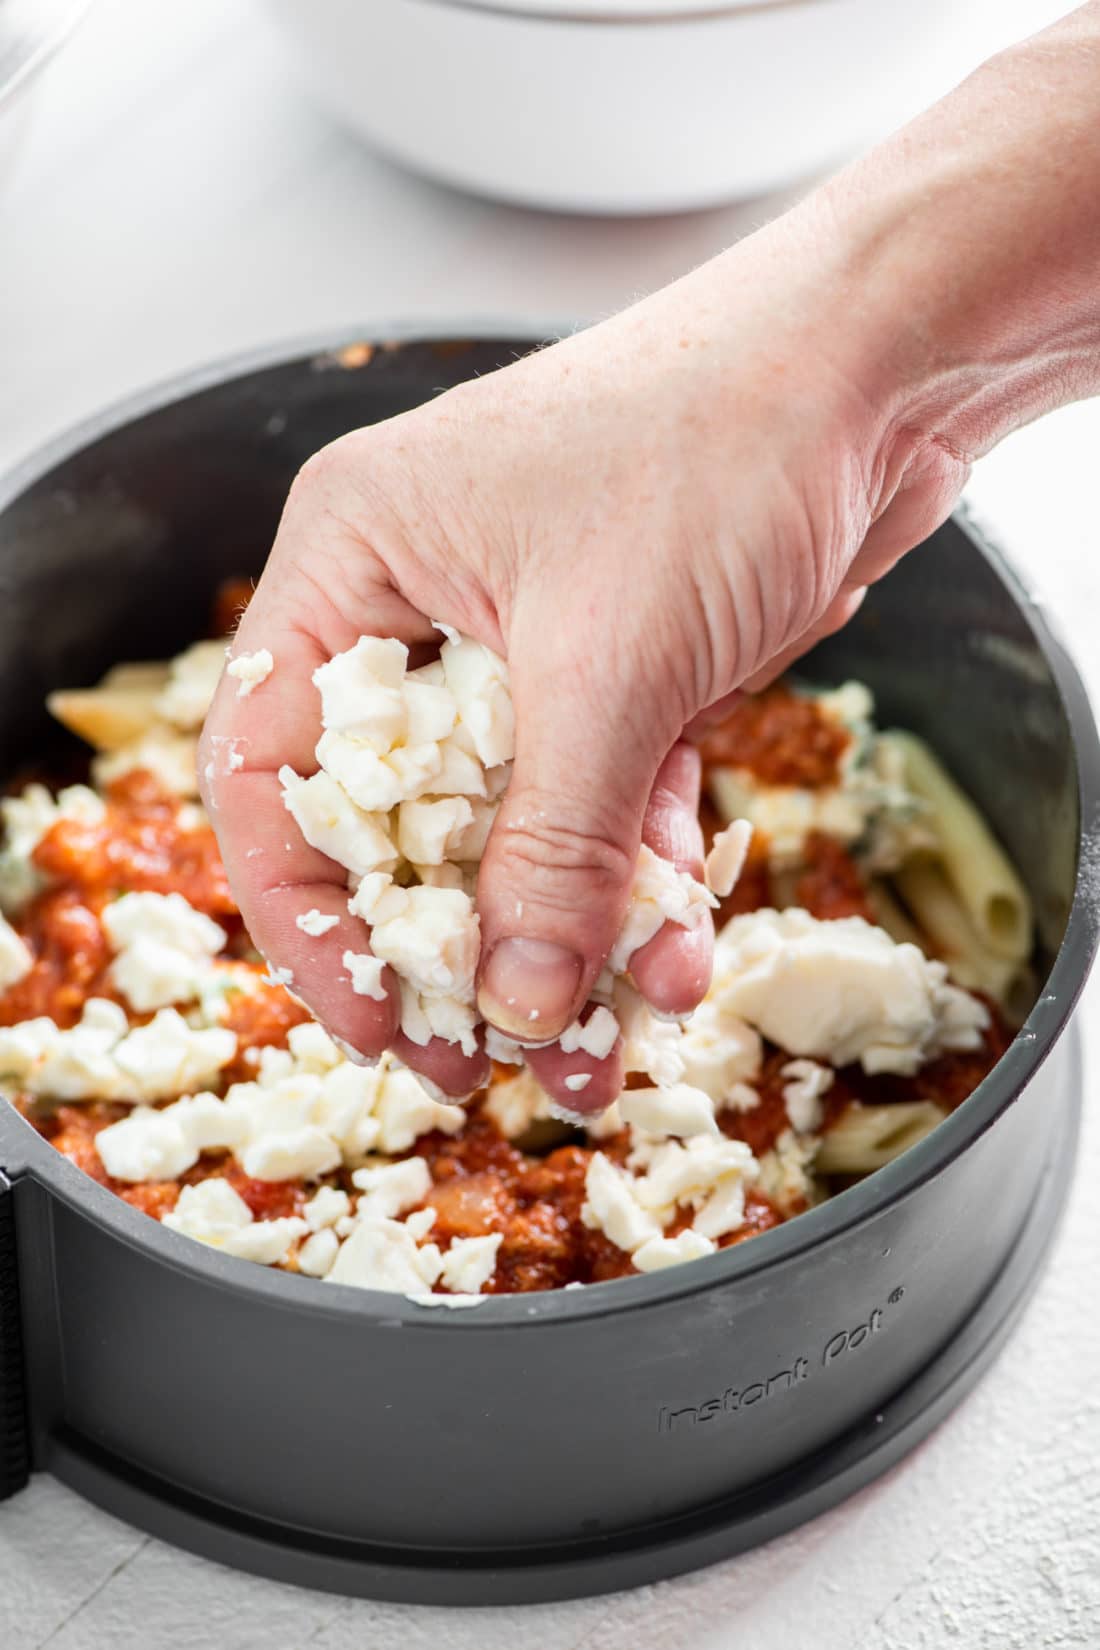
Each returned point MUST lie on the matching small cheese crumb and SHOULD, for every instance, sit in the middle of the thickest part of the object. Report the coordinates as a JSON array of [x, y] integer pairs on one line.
[[366, 974], [578, 1081], [315, 923], [596, 1037], [726, 859], [250, 669]]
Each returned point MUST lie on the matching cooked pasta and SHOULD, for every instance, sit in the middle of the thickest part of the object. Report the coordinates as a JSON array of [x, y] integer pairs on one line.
[[866, 1137], [972, 861]]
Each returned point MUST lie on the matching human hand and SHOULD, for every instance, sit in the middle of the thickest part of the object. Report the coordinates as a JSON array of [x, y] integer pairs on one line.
[[640, 519]]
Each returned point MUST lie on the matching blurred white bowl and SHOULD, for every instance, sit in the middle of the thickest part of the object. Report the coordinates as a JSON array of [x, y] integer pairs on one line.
[[626, 106], [30, 33]]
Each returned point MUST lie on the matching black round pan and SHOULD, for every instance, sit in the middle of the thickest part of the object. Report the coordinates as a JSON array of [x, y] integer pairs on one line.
[[547, 1445]]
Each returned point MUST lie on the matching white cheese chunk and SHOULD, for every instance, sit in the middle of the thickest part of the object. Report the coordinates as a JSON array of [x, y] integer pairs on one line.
[[597, 1036], [192, 679], [167, 1057], [325, 1208], [806, 1083], [146, 1145], [213, 1213], [433, 942], [611, 1206], [392, 1189], [658, 1252], [366, 974], [478, 681], [469, 1263], [15, 959], [361, 691], [305, 1153], [720, 1052], [331, 823], [842, 992], [249, 670], [726, 859], [430, 832], [314, 923], [430, 711], [317, 1253], [659, 894], [384, 1255], [679, 1110]]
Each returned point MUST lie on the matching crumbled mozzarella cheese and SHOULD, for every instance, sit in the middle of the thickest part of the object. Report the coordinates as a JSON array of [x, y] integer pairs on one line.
[[299, 1154], [578, 1081], [366, 974], [404, 1110], [478, 681], [430, 832], [679, 1110], [649, 1044], [391, 1189], [611, 1205], [15, 959], [842, 991], [317, 1253], [330, 821], [384, 1255], [784, 1172], [326, 1207], [469, 1263], [167, 1057], [726, 859], [250, 670], [806, 1083], [164, 949], [361, 690], [659, 894], [517, 1102], [707, 1171], [597, 1036], [213, 1213], [430, 710], [720, 1052], [146, 1145], [192, 678], [315, 923], [433, 942], [658, 1252]]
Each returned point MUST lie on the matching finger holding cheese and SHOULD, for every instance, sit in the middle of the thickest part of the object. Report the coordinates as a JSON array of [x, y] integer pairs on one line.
[[673, 969]]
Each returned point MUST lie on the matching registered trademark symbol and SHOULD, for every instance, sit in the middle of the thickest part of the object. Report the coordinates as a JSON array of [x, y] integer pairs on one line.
[[896, 1296]]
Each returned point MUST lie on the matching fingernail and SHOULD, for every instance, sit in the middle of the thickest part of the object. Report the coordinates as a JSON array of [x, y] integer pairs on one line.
[[528, 988]]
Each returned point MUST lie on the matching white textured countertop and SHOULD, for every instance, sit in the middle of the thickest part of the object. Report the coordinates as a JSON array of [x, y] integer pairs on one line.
[[178, 199]]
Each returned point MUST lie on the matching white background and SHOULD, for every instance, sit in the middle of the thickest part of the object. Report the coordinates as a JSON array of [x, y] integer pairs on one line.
[[178, 198]]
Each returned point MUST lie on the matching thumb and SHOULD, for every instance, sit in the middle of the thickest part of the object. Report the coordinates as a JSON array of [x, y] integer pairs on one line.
[[556, 876]]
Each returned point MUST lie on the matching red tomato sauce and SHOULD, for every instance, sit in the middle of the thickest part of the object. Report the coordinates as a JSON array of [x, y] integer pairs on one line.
[[782, 737]]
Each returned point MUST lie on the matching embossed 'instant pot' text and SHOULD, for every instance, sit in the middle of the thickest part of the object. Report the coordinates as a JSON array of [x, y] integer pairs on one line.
[[840, 1346]]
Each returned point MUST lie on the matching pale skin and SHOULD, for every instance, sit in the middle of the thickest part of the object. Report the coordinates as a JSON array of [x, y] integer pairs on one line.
[[658, 512]]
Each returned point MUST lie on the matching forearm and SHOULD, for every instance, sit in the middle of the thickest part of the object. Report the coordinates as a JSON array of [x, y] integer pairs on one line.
[[972, 245]]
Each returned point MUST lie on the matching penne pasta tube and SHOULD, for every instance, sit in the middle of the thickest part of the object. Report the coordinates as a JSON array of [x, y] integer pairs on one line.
[[949, 931], [119, 709], [864, 1138], [973, 861]]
